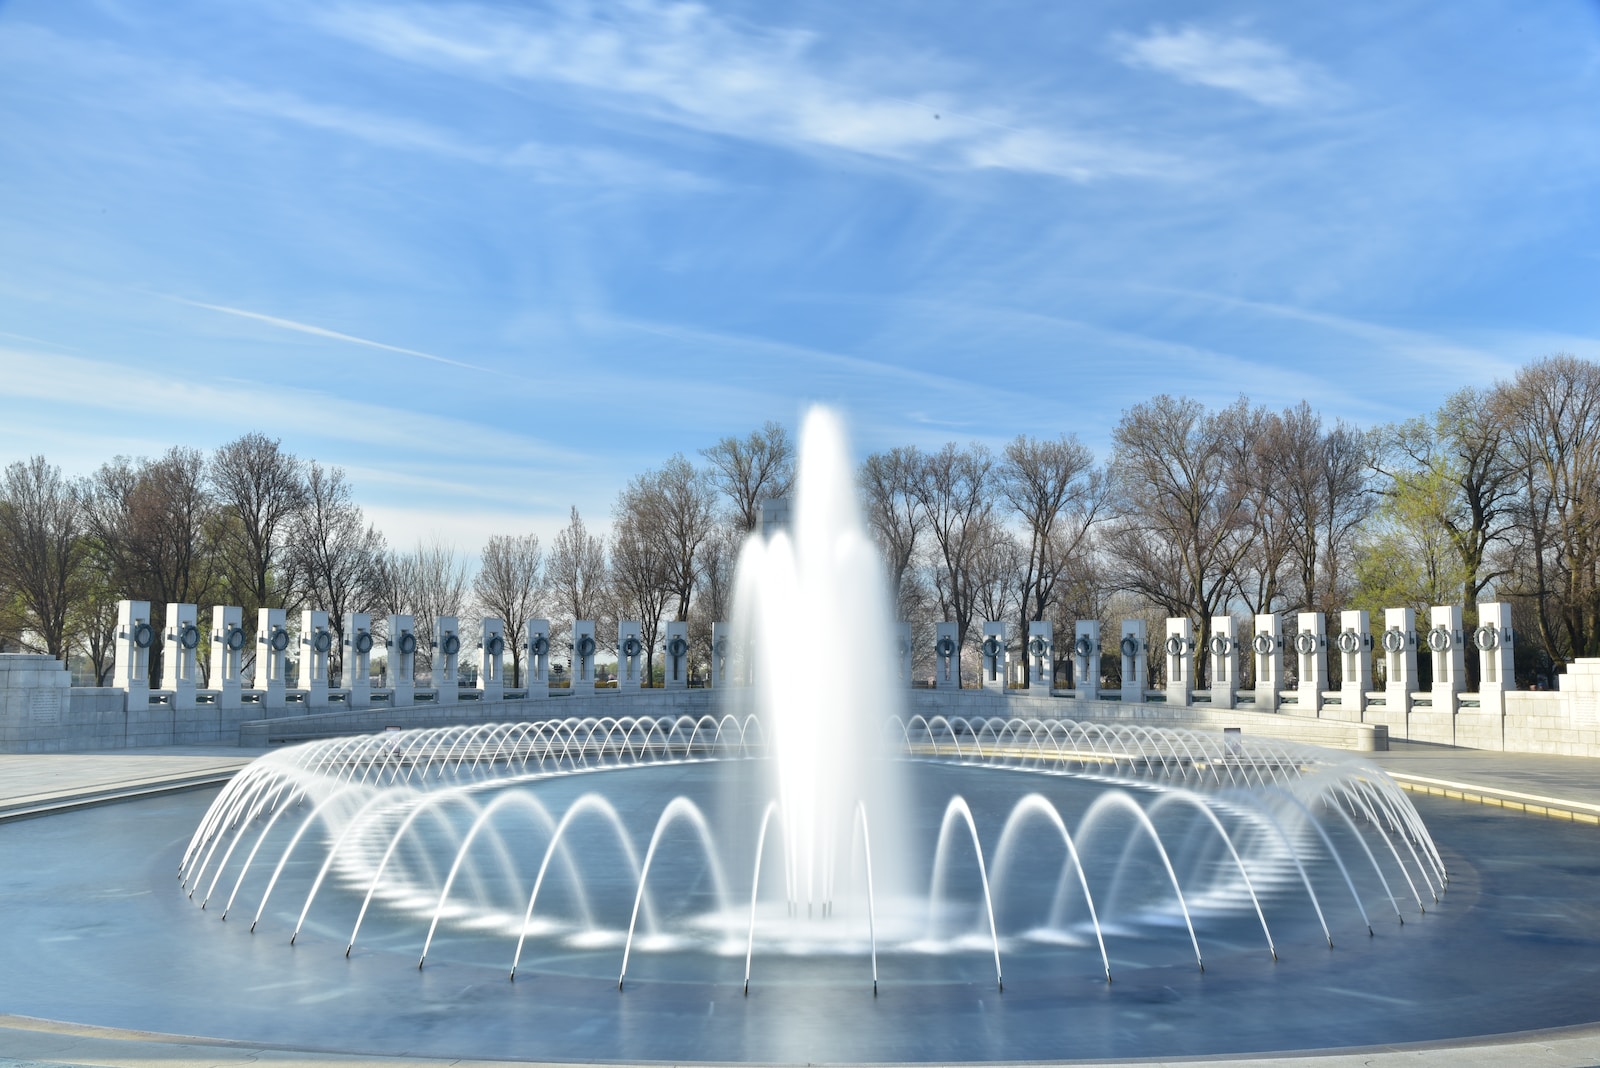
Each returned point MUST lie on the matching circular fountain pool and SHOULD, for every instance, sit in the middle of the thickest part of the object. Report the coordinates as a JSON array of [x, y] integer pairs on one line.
[[103, 934]]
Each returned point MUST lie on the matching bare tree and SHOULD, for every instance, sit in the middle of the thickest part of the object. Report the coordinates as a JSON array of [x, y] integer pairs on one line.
[[260, 490], [999, 568], [748, 471], [43, 549], [425, 584], [1056, 490], [954, 488], [1181, 516], [1319, 477], [154, 525], [1551, 412], [508, 586], [577, 574], [895, 513], [1259, 575], [639, 573], [676, 508], [339, 554]]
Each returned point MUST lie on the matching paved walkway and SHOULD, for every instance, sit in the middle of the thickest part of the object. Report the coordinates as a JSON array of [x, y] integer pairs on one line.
[[1562, 787], [33, 784], [1555, 786]]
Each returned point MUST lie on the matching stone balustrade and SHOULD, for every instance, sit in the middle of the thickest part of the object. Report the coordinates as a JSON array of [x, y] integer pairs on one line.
[[213, 700]]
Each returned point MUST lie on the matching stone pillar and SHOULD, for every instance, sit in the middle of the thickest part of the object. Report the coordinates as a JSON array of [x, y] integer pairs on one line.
[[491, 659], [1496, 666], [132, 650], [227, 655], [946, 656], [720, 651], [676, 676], [1086, 660], [1135, 660], [402, 664], [1041, 656], [1180, 662], [1267, 647], [446, 659], [180, 667], [902, 645], [993, 657], [630, 656], [1355, 661], [316, 652], [1399, 664], [272, 657], [538, 658], [1224, 662], [1311, 655], [1445, 641], [583, 647], [35, 705], [357, 655]]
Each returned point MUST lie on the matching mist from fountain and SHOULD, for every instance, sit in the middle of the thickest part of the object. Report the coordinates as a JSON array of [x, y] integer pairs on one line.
[[812, 604]]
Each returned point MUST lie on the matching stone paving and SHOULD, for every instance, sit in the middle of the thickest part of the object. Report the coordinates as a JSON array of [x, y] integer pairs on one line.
[[1567, 785]]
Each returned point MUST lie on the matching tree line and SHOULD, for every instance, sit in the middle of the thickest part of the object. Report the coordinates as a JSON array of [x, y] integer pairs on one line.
[[1195, 511]]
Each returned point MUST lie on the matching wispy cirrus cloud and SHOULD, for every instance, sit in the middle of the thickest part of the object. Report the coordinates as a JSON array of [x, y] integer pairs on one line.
[[685, 64], [332, 335], [551, 163], [1252, 67]]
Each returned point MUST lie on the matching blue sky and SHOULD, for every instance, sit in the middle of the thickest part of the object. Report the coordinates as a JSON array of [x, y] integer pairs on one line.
[[493, 259]]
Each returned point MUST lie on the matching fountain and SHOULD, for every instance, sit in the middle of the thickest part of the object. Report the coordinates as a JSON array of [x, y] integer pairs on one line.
[[812, 873], [816, 829]]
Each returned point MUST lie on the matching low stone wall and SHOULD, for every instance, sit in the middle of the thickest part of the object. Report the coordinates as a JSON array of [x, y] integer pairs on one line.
[[40, 712], [972, 704], [300, 728]]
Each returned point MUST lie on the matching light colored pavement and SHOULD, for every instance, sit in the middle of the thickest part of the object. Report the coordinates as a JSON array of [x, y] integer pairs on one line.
[[34, 784], [1559, 787]]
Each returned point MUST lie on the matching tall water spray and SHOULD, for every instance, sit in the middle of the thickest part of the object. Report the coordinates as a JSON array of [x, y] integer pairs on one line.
[[813, 601]]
